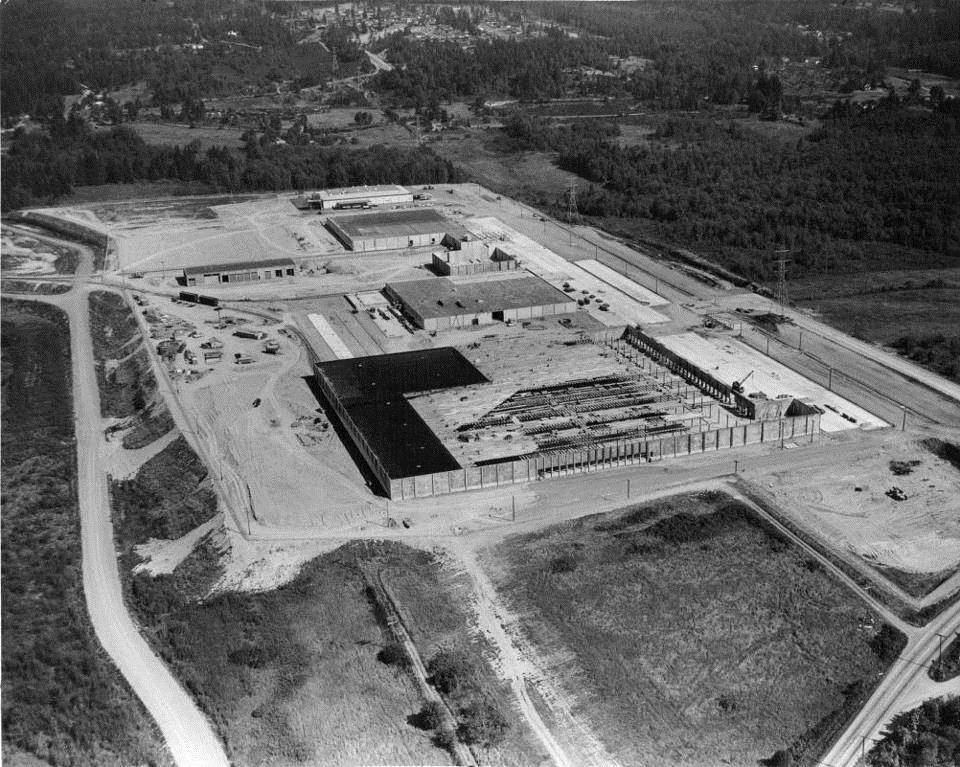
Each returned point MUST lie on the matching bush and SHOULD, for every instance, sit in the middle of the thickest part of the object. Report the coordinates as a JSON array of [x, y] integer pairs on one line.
[[393, 654], [888, 643], [432, 715], [452, 672], [483, 722]]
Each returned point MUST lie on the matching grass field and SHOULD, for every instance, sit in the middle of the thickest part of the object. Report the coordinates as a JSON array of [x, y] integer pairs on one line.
[[63, 701], [182, 134], [290, 676], [699, 636]]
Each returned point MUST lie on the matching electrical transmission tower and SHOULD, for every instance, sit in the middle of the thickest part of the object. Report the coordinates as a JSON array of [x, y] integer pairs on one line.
[[783, 297], [573, 215]]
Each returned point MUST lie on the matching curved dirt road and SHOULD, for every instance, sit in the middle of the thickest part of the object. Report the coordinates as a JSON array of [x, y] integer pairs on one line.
[[188, 734]]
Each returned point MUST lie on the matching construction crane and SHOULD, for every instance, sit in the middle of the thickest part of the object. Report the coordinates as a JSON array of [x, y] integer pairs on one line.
[[738, 385]]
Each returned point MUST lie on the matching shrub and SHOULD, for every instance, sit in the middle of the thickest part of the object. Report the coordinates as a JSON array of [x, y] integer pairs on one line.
[[393, 654], [452, 672], [483, 722]]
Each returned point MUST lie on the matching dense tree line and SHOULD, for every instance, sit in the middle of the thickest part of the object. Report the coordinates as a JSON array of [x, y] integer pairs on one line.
[[927, 735], [861, 182], [42, 166], [527, 132]]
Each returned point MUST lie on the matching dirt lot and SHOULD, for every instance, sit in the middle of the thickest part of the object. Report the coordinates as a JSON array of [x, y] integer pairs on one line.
[[689, 634], [915, 542]]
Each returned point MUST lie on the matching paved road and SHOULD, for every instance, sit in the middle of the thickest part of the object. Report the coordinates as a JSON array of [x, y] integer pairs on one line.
[[185, 729], [905, 686]]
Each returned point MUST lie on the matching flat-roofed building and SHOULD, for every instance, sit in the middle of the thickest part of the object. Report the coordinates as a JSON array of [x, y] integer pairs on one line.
[[369, 396], [239, 272], [346, 197], [440, 303], [392, 230]]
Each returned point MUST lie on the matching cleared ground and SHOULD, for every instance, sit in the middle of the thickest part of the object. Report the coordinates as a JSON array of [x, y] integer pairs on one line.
[[915, 541], [689, 634], [730, 361]]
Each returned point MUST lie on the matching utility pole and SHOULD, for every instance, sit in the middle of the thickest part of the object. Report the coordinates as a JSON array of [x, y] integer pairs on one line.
[[513, 507], [628, 488]]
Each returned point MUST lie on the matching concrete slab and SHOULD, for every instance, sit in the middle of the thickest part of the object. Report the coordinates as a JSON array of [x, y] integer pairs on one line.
[[624, 284], [729, 361]]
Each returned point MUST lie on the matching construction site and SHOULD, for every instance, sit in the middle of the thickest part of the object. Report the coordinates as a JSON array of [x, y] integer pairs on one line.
[[577, 362], [456, 371]]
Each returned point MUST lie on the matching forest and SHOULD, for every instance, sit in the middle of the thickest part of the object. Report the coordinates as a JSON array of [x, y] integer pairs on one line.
[[105, 45], [877, 187], [44, 167], [927, 735]]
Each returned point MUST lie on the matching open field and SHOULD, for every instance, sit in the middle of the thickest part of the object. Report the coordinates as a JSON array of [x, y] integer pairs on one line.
[[920, 323], [303, 674], [692, 635], [171, 133], [63, 701], [914, 542]]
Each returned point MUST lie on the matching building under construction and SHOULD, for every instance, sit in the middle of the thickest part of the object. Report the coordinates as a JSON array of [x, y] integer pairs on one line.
[[409, 418]]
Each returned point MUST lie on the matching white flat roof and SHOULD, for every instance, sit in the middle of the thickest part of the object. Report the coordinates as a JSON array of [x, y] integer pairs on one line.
[[380, 190]]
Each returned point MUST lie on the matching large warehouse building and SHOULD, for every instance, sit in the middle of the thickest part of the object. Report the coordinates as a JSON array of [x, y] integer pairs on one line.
[[359, 197], [239, 272], [368, 396], [440, 303], [393, 230]]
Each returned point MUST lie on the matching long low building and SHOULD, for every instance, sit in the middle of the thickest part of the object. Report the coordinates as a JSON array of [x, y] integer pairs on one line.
[[440, 303], [392, 230], [239, 272], [347, 197]]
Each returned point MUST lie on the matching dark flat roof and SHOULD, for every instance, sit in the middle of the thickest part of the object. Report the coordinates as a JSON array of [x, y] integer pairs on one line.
[[404, 444], [372, 389], [236, 266], [385, 376], [395, 223], [443, 297]]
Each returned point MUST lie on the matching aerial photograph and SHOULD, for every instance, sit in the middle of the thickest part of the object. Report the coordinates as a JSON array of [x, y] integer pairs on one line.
[[505, 384]]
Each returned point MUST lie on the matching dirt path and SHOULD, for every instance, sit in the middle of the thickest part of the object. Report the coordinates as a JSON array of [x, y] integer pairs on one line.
[[517, 666], [185, 729]]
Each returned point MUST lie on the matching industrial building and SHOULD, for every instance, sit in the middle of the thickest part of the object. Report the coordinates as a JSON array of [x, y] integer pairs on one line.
[[368, 396], [475, 257], [238, 272], [393, 230], [440, 302], [344, 198]]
